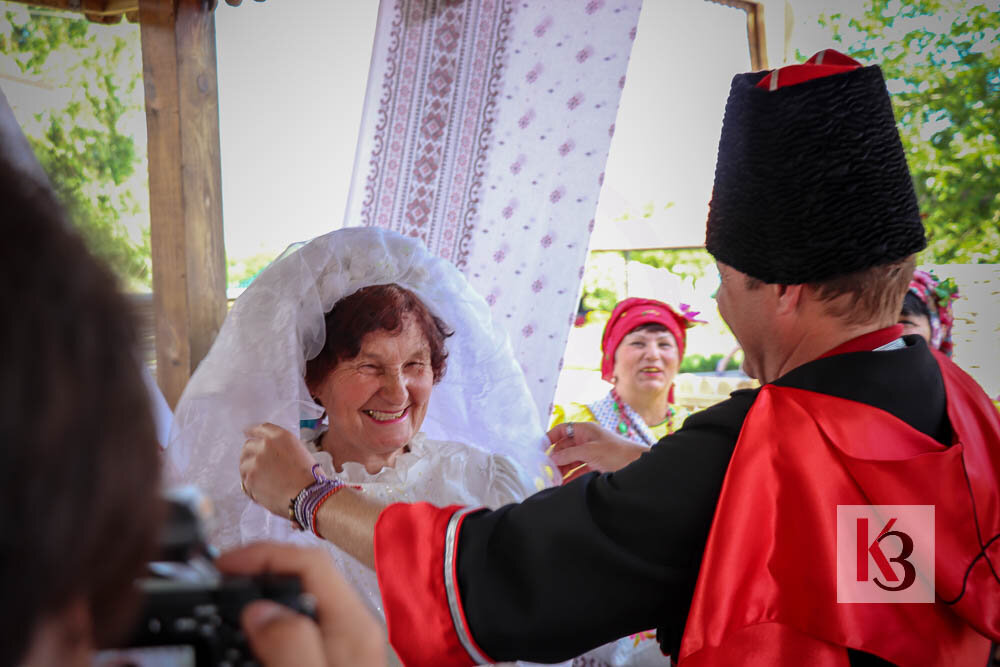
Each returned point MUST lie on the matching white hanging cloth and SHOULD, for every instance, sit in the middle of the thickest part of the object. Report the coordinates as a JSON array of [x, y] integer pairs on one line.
[[485, 133]]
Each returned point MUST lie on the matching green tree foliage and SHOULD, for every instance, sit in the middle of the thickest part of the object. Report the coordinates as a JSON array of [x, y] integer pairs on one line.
[[697, 363], [687, 263], [88, 80], [241, 272], [603, 280], [941, 59]]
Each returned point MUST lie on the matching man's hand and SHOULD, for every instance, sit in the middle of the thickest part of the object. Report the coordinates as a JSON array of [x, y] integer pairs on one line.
[[344, 633], [274, 467], [590, 448]]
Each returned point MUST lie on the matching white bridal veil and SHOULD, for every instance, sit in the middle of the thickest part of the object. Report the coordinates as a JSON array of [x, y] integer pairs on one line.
[[254, 371]]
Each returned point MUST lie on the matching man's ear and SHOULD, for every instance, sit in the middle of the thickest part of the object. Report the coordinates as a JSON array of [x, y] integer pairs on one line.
[[788, 298]]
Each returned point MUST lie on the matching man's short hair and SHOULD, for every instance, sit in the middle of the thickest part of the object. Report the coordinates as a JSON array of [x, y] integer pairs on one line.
[[79, 461], [872, 294]]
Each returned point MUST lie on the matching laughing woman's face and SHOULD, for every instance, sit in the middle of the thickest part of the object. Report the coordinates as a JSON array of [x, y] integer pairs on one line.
[[646, 361], [376, 402]]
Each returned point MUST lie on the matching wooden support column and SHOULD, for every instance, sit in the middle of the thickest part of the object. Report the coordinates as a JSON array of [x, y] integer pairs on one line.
[[185, 184], [755, 35], [755, 29]]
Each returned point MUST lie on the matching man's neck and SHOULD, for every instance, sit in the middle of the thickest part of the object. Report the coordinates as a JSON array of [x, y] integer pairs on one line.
[[812, 343]]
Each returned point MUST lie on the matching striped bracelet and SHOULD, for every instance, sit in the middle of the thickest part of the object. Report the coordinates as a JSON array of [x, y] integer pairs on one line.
[[302, 508]]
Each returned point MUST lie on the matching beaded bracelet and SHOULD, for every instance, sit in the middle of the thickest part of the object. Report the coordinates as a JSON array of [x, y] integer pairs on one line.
[[317, 473], [302, 508]]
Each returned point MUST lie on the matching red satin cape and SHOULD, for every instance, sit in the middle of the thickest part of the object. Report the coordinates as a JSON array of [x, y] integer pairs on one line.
[[767, 591]]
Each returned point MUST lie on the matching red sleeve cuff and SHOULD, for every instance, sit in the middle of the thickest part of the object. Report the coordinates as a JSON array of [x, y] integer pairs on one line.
[[415, 561]]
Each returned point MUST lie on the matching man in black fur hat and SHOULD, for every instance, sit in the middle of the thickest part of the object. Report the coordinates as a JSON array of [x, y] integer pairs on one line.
[[725, 535]]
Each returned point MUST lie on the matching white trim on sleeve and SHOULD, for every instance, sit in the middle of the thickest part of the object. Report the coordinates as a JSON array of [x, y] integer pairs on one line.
[[451, 586]]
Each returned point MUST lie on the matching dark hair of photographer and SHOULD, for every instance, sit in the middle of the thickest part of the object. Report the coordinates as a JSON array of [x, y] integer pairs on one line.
[[79, 466]]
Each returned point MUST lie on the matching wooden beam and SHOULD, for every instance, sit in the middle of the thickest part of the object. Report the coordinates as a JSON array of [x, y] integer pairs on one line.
[[98, 11], [106, 11], [185, 184], [755, 29], [94, 7], [756, 37]]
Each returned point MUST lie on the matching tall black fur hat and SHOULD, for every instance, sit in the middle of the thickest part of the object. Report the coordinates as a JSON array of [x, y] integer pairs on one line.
[[811, 180]]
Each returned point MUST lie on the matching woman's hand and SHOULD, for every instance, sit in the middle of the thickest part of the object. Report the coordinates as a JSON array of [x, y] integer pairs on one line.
[[582, 447], [274, 467], [344, 633]]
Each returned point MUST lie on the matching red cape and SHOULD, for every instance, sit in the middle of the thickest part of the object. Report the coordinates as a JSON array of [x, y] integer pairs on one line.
[[767, 592]]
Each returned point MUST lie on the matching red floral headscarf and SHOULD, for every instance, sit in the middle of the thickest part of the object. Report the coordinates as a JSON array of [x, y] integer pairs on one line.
[[634, 312], [937, 295]]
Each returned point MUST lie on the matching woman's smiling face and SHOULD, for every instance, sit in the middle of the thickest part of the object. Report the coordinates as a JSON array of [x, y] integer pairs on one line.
[[376, 402], [646, 361]]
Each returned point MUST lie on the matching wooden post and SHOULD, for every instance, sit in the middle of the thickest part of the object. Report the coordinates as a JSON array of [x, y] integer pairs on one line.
[[185, 184], [755, 35], [755, 29]]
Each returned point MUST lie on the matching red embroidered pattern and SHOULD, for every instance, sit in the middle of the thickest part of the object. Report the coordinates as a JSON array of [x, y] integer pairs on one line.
[[434, 125]]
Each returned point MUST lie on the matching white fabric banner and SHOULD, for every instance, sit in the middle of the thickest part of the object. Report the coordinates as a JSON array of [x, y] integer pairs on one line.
[[486, 129]]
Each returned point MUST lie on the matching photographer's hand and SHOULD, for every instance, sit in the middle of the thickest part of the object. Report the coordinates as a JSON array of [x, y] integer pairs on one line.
[[344, 632], [274, 467]]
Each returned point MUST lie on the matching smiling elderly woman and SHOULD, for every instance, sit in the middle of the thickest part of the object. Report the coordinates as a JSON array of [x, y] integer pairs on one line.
[[641, 351], [342, 341], [384, 352]]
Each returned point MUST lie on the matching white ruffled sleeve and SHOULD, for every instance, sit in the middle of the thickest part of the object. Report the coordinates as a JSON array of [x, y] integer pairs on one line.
[[509, 483]]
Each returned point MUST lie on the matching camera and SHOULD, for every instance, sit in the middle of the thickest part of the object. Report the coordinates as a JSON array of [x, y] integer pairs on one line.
[[190, 612]]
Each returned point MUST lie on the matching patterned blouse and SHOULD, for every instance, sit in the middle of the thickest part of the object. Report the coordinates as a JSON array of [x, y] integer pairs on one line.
[[617, 416]]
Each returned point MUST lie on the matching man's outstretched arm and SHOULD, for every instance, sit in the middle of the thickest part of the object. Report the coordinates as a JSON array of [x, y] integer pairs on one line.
[[546, 579]]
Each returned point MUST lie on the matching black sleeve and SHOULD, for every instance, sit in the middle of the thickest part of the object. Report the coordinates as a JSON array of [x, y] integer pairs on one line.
[[607, 555]]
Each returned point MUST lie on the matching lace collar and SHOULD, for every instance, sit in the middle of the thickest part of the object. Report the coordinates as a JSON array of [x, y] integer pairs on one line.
[[355, 473]]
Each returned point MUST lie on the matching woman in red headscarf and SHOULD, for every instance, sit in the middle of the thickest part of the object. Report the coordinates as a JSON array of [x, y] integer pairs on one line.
[[927, 310], [641, 351]]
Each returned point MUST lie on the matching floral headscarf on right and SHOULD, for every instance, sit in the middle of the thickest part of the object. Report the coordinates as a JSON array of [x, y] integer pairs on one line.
[[936, 296]]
